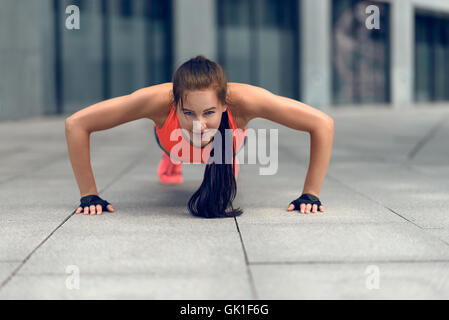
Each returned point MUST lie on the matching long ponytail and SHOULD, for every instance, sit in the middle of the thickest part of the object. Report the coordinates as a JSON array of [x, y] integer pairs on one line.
[[214, 197]]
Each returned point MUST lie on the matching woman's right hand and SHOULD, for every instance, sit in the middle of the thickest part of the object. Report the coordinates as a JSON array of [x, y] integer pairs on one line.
[[94, 204]]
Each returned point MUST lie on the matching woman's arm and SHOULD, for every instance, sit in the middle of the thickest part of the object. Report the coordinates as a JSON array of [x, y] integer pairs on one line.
[[257, 102], [150, 102]]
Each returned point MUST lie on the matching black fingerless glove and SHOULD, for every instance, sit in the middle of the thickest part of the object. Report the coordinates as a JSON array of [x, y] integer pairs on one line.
[[306, 198], [93, 200]]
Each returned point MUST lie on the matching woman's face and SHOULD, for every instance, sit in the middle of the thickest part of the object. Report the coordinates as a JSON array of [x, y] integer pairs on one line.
[[201, 116]]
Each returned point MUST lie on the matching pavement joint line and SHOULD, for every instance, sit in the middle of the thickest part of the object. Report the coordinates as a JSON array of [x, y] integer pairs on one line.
[[399, 215], [346, 262], [337, 180], [427, 137], [17, 269], [248, 269], [373, 200], [437, 126], [364, 195]]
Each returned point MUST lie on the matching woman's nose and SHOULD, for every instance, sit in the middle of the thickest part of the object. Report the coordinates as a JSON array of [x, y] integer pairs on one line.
[[199, 125]]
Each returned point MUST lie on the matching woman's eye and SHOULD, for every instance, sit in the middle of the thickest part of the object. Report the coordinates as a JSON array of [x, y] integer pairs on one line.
[[210, 112], [187, 113]]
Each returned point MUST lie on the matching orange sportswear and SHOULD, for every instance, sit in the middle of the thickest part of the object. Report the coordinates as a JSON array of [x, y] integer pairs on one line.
[[195, 154]]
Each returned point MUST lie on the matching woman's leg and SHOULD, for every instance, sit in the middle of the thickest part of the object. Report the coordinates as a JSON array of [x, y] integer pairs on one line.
[[168, 172]]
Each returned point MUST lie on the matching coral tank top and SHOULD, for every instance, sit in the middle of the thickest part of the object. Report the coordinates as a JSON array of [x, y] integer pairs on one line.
[[181, 149]]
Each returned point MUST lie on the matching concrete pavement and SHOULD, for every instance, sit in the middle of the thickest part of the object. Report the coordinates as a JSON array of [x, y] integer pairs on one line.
[[385, 233]]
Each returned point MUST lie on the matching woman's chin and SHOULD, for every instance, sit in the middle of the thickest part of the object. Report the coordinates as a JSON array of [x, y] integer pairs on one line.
[[199, 141]]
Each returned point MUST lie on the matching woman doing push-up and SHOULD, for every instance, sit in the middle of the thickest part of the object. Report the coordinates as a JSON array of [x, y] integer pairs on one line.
[[193, 116]]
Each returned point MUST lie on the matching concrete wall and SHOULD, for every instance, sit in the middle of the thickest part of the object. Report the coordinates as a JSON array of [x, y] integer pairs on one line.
[[402, 53], [315, 52], [24, 68], [190, 19]]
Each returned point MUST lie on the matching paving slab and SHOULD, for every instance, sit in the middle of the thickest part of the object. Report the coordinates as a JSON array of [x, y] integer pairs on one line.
[[7, 268], [285, 242], [152, 236], [419, 198], [263, 203], [166, 285], [353, 281], [383, 208], [442, 233]]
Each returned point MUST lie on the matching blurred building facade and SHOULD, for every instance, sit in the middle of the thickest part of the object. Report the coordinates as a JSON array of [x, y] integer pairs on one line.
[[320, 52]]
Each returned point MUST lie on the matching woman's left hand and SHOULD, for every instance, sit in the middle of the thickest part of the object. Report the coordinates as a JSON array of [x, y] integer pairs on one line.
[[305, 203]]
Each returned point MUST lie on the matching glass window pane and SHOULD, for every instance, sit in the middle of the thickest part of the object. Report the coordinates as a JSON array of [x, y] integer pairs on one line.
[[127, 48], [277, 40], [81, 57], [431, 57], [158, 39], [235, 29], [122, 46], [259, 43]]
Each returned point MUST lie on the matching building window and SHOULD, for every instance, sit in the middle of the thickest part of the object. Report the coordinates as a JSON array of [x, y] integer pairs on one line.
[[431, 57], [361, 56], [258, 43], [122, 46]]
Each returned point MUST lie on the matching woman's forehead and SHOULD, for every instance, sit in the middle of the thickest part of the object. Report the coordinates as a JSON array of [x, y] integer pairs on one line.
[[199, 103], [200, 95]]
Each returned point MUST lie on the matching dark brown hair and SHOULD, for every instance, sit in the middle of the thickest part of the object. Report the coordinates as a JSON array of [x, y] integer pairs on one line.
[[214, 197]]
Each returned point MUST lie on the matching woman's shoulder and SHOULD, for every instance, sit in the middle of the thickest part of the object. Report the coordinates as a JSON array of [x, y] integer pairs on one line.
[[238, 102], [160, 97]]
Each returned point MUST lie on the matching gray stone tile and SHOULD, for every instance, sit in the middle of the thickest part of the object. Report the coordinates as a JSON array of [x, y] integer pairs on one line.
[[417, 197], [287, 242], [7, 268], [130, 244], [167, 284], [352, 281], [151, 247], [442, 234], [19, 238], [266, 204]]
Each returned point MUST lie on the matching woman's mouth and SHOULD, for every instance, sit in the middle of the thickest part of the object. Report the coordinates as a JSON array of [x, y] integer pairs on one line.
[[200, 134]]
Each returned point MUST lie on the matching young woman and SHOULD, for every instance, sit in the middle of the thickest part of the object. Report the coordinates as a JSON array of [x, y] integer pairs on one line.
[[200, 104]]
